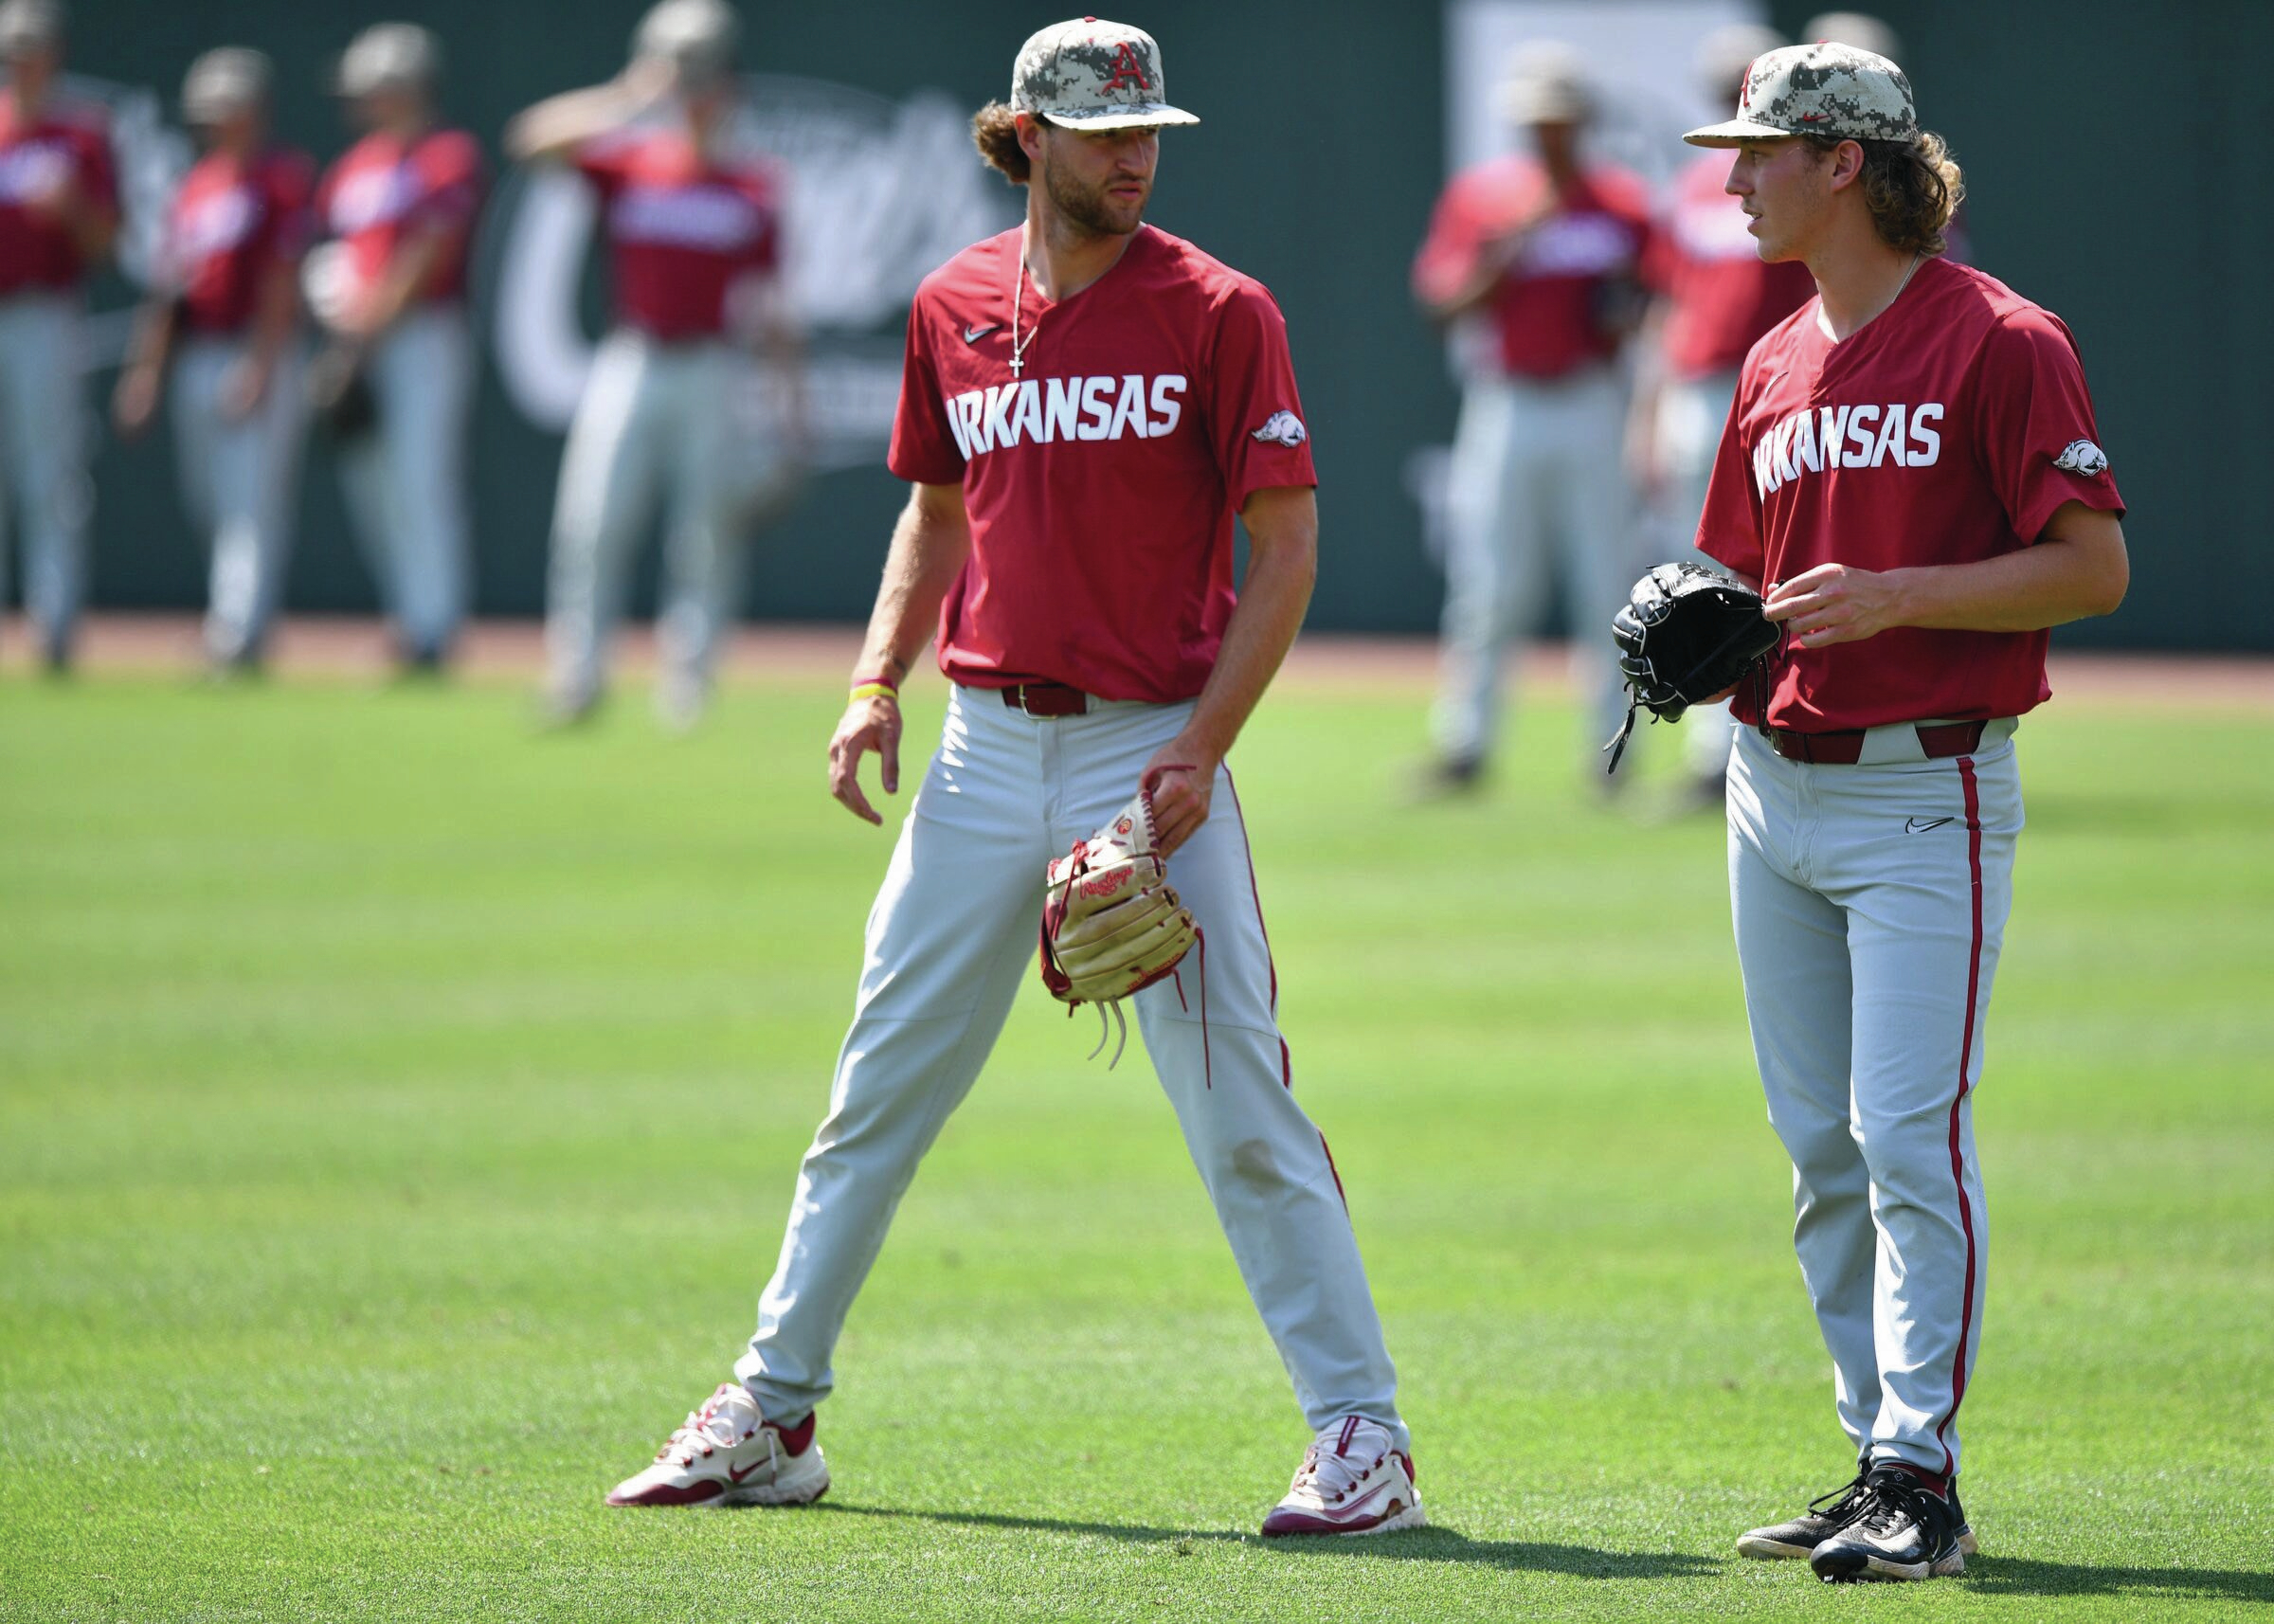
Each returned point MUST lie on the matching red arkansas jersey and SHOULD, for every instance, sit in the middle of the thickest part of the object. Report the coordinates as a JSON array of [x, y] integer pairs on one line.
[[682, 229], [386, 188], [1947, 430], [1720, 296], [1546, 307], [1102, 480], [232, 221], [62, 144]]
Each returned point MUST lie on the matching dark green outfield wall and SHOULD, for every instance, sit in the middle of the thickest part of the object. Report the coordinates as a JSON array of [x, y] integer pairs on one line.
[[2113, 148]]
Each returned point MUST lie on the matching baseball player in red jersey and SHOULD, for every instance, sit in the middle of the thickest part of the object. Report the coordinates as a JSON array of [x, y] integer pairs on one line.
[[1546, 247], [1087, 403], [1715, 297], [58, 214], [399, 206], [224, 316], [693, 223], [1912, 470]]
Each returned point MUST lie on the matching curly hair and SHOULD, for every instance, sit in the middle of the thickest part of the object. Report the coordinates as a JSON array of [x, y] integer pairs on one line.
[[1912, 188], [995, 132]]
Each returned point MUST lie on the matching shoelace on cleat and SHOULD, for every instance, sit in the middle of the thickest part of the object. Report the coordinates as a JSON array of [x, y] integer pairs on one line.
[[1896, 1498], [702, 1431], [1333, 1477], [1845, 1500]]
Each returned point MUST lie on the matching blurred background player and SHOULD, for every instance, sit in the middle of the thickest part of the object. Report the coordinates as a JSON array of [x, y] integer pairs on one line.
[[693, 220], [224, 316], [59, 215], [1715, 298], [1548, 247], [1858, 28], [400, 205]]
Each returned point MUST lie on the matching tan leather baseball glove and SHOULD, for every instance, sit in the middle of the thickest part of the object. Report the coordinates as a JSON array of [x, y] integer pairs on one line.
[[1111, 923]]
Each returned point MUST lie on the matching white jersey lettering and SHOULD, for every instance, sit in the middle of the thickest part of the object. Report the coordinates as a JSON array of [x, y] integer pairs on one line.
[[1890, 438], [1860, 420], [1167, 412], [1065, 408], [1819, 439], [1042, 411], [1926, 445]]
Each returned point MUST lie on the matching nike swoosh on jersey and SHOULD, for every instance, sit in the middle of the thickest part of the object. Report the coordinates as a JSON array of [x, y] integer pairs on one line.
[[1920, 825], [973, 335]]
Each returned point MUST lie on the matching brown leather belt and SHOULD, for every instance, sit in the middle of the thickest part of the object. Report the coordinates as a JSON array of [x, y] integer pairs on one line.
[[1845, 746], [1047, 699]]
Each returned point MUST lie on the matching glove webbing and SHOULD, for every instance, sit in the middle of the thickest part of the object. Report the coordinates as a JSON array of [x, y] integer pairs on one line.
[[1759, 674]]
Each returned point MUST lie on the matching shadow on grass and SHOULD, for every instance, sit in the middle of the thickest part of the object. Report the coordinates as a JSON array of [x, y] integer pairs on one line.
[[1417, 1544], [2019, 1575]]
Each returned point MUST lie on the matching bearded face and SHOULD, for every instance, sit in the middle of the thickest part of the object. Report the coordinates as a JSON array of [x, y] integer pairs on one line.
[[1100, 181]]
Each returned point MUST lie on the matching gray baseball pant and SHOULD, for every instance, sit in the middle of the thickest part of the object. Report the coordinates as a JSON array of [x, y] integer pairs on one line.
[[1870, 904], [951, 940], [1534, 466], [405, 483], [44, 459], [240, 479], [657, 422]]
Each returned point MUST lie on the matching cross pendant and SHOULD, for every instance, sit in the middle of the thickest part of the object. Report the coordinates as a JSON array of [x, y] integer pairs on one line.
[[1016, 361]]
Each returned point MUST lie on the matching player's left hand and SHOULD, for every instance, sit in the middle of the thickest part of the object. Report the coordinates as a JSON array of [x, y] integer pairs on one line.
[[1835, 603], [243, 389], [58, 200], [1180, 778]]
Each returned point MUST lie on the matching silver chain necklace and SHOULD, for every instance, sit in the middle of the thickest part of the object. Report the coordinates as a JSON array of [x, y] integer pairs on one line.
[[1018, 345]]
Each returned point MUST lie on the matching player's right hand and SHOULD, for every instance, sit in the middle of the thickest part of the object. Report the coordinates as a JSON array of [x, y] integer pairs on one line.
[[135, 401], [871, 723]]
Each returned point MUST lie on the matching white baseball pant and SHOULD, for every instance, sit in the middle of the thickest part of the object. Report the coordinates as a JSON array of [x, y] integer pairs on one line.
[[1535, 464], [654, 415], [1691, 413], [951, 939], [1870, 904], [405, 483], [240, 478], [43, 460]]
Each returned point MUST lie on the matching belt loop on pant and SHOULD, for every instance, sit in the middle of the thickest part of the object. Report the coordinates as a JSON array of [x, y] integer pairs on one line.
[[1844, 746], [1046, 700]]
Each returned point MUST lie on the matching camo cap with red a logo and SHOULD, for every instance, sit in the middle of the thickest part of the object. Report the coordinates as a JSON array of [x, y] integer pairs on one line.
[[1821, 89], [1090, 74]]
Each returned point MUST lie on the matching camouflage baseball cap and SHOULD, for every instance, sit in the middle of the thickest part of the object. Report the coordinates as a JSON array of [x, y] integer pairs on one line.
[[1819, 90], [1090, 74]]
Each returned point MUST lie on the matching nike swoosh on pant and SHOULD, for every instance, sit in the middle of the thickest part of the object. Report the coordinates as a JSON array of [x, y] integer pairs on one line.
[[1919, 825]]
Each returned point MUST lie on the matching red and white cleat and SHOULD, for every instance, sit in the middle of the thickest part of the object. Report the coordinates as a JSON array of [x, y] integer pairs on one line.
[[1351, 1482], [727, 1453]]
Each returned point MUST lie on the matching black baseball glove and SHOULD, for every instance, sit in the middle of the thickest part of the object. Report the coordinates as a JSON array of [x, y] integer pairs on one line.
[[1685, 634], [340, 395]]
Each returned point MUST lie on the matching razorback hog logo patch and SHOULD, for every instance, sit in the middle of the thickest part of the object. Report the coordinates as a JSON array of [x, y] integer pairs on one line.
[[1100, 885], [2082, 457], [1282, 429]]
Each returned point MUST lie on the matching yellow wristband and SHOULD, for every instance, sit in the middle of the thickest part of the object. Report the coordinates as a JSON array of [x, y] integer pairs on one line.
[[875, 691]]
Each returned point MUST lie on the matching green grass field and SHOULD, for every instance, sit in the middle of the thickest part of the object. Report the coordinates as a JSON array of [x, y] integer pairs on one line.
[[398, 1112]]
